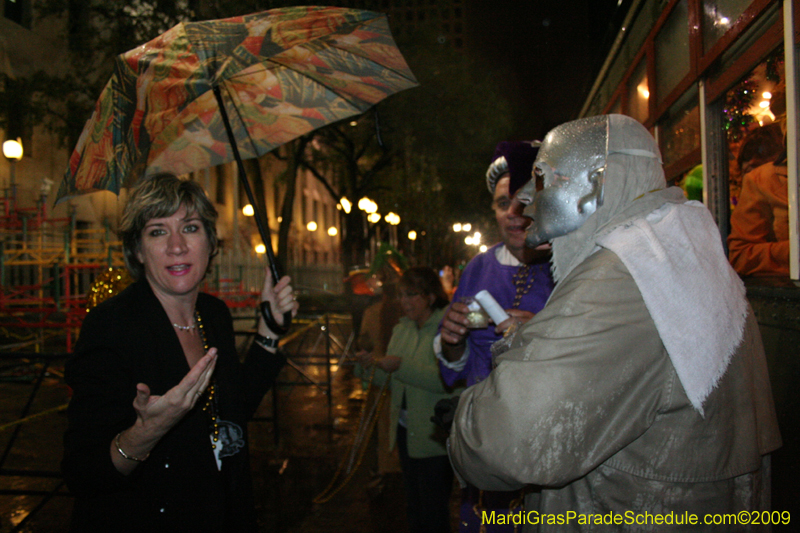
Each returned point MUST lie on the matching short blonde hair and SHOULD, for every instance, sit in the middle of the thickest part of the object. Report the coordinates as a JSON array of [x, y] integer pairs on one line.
[[158, 197]]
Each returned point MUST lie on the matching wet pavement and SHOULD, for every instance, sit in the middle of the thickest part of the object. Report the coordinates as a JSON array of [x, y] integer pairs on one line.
[[290, 468]]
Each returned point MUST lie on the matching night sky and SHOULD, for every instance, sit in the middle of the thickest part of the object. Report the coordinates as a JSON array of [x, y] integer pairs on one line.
[[552, 49]]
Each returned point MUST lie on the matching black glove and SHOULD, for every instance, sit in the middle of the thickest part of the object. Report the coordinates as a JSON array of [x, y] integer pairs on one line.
[[444, 412]]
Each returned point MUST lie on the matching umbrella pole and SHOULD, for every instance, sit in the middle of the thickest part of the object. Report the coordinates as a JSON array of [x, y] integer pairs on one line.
[[262, 228]]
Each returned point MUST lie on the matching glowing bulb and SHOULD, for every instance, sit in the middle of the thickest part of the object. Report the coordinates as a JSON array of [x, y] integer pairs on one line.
[[367, 205], [248, 210], [374, 217], [13, 149], [311, 226], [763, 104], [261, 249], [332, 231], [466, 227], [483, 248], [468, 240], [766, 95], [345, 204], [457, 227], [412, 235]]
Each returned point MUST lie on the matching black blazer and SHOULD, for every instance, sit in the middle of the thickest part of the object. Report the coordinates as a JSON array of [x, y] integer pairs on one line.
[[127, 340]]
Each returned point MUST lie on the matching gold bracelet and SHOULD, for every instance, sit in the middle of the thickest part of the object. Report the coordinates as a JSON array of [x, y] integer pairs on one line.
[[125, 455]]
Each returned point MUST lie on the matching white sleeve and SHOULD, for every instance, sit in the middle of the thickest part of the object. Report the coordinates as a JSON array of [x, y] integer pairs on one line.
[[456, 366]]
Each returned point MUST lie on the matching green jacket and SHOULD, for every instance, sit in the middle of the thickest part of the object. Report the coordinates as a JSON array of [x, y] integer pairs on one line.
[[418, 378]]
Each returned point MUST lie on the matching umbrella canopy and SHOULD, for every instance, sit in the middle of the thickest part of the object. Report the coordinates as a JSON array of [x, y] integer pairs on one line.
[[281, 73]]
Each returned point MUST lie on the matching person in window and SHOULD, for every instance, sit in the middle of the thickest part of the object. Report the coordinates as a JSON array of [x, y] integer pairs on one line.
[[758, 244], [642, 386], [157, 434]]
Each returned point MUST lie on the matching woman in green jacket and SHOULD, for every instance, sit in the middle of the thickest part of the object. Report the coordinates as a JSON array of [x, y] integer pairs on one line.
[[416, 387]]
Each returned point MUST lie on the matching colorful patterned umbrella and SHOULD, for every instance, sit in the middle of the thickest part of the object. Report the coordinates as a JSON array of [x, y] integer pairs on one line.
[[280, 73]]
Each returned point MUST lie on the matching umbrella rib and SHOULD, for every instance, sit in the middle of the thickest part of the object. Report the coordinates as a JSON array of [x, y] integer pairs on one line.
[[352, 102], [359, 53], [241, 119]]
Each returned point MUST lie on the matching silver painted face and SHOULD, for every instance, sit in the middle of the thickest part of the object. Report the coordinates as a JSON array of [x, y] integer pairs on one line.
[[570, 164]]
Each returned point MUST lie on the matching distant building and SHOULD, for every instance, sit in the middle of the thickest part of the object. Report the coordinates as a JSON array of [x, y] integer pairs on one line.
[[407, 15]]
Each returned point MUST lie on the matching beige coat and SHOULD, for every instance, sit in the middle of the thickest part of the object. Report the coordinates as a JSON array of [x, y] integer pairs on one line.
[[588, 405]]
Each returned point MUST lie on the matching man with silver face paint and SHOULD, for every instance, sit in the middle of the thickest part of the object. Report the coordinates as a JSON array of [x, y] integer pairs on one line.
[[642, 386]]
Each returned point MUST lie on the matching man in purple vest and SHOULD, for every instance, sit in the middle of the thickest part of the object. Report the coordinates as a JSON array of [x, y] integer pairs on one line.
[[518, 278]]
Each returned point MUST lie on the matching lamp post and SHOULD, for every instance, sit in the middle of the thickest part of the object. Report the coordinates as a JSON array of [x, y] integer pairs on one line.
[[371, 208], [393, 219], [470, 240], [12, 149]]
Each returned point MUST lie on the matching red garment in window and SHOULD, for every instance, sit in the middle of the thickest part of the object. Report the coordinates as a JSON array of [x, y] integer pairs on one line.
[[759, 241]]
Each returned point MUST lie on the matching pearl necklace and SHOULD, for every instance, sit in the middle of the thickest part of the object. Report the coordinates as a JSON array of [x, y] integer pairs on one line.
[[211, 396]]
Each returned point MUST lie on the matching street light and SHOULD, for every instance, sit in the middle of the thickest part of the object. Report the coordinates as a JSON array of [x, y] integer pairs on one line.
[[311, 226], [371, 208], [367, 205], [474, 239], [13, 151], [332, 231], [345, 204], [412, 235], [248, 210], [392, 218]]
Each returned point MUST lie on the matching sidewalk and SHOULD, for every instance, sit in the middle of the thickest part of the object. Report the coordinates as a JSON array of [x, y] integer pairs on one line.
[[303, 465]]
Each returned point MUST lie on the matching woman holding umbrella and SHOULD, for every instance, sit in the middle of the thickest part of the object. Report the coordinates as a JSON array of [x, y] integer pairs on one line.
[[157, 434]]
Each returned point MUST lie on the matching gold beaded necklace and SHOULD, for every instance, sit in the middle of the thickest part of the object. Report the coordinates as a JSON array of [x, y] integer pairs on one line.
[[211, 395], [524, 274]]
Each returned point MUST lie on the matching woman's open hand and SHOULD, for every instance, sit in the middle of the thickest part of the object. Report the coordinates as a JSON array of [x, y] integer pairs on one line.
[[156, 415], [160, 413]]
